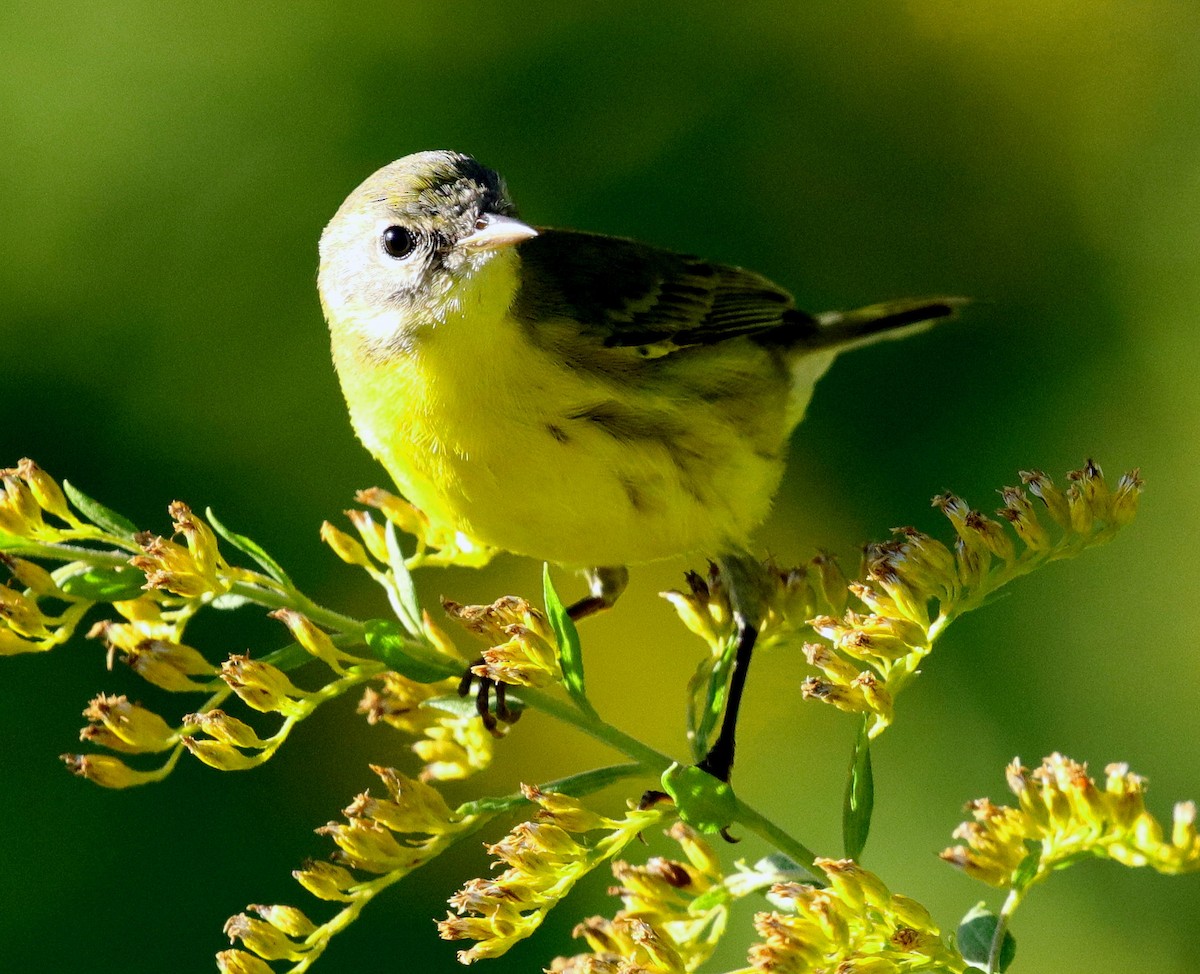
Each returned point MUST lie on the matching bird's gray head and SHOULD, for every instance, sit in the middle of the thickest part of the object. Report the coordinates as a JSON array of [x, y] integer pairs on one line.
[[415, 231]]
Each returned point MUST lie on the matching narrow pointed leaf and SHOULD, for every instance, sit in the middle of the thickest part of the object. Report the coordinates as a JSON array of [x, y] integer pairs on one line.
[[103, 584], [388, 641], [403, 594], [859, 800], [98, 514], [570, 652], [249, 547]]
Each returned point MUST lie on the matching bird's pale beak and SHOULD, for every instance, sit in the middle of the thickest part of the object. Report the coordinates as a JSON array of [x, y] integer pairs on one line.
[[497, 233]]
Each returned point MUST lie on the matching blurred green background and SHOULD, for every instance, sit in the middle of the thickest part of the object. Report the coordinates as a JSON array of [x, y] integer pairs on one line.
[[166, 171]]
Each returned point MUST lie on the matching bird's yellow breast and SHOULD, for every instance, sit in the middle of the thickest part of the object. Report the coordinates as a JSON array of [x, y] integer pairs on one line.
[[494, 435]]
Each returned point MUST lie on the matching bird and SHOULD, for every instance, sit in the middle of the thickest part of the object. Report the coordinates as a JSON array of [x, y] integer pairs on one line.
[[587, 400]]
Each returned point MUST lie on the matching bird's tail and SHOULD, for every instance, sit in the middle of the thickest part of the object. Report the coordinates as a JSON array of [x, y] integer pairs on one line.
[[842, 330]]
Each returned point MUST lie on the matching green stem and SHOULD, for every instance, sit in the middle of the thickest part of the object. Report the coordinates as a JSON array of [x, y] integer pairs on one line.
[[764, 827], [655, 763], [68, 552], [1010, 907], [282, 599]]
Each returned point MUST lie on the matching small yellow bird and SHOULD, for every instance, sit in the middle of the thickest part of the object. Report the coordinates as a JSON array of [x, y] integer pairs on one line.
[[581, 399]]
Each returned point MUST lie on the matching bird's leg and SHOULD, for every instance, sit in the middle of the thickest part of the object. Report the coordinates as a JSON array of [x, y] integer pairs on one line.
[[605, 585], [740, 575]]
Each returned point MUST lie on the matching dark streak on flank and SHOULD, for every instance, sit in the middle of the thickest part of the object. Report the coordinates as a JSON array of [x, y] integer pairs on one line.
[[623, 423], [558, 433], [637, 499]]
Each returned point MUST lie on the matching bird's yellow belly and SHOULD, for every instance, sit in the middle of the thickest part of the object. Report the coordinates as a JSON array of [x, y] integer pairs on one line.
[[501, 442]]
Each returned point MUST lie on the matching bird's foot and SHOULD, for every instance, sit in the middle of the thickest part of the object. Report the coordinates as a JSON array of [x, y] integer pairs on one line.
[[491, 699]]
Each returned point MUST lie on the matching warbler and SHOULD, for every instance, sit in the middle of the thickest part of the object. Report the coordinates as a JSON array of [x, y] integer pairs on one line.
[[578, 398]]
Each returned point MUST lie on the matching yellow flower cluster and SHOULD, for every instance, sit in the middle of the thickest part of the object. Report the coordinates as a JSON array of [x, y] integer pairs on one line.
[[435, 546], [194, 570], [453, 744], [385, 837], [787, 600], [27, 495], [545, 858], [1062, 815], [853, 926], [521, 648], [866, 658], [673, 917]]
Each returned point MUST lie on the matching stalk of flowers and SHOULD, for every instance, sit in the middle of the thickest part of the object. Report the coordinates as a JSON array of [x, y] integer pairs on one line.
[[213, 736], [382, 841], [1063, 815], [914, 586], [545, 858], [231, 745], [674, 914], [855, 924]]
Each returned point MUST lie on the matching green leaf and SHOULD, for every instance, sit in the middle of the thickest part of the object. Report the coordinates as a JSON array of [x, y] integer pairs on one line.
[[466, 706], [102, 584], [859, 800], [10, 541], [402, 593], [388, 641], [1027, 871], [98, 514], [230, 601], [570, 652], [575, 785], [251, 548], [975, 935], [288, 657], [704, 802], [714, 674]]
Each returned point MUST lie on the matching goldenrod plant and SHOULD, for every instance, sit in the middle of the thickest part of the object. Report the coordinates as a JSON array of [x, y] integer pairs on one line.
[[76, 566]]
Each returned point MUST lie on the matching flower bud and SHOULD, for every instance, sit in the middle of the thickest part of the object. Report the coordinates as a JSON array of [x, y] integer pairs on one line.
[[128, 727], [344, 546], [261, 685], [326, 880], [241, 962], [45, 490], [219, 755], [107, 771]]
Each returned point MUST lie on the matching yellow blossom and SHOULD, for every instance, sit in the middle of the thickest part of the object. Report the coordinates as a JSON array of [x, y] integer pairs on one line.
[[1062, 815], [453, 744], [123, 726], [262, 686], [521, 651], [107, 771], [855, 924], [241, 962], [913, 586], [193, 570], [435, 546], [545, 858], [673, 915]]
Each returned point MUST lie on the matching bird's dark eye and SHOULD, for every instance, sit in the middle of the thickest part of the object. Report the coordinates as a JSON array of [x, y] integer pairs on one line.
[[399, 242]]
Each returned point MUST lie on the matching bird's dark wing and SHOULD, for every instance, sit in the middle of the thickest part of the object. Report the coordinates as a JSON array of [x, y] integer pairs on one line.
[[624, 293]]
